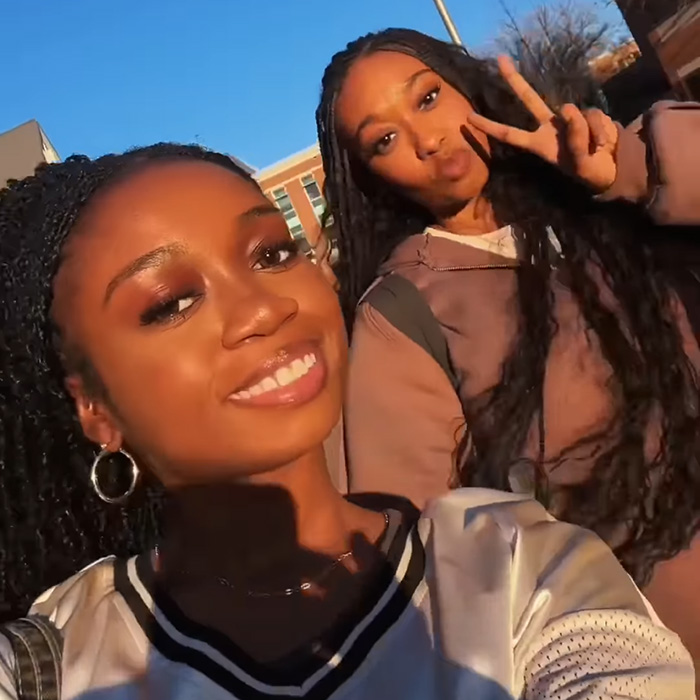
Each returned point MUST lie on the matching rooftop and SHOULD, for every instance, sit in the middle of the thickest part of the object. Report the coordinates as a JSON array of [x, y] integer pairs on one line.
[[288, 162], [22, 149]]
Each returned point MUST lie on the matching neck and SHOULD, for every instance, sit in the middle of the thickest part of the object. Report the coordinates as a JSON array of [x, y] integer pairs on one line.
[[245, 531], [475, 219]]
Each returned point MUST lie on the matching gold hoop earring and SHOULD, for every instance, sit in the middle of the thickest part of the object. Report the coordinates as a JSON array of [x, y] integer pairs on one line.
[[95, 480]]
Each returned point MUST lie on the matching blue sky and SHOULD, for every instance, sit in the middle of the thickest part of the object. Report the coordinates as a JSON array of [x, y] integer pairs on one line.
[[240, 76]]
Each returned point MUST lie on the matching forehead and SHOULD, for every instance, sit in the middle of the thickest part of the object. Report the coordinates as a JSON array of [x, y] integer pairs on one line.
[[175, 200], [373, 83], [185, 191]]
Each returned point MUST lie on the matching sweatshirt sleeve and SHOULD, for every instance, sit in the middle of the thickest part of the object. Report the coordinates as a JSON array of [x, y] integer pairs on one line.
[[585, 630], [7, 683], [403, 419], [550, 600], [658, 163], [606, 655]]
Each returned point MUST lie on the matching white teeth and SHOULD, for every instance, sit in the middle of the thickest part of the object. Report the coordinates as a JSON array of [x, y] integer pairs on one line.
[[268, 384], [284, 376], [299, 368]]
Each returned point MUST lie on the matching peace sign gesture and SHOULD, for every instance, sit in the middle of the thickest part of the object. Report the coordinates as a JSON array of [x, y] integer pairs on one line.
[[583, 144]]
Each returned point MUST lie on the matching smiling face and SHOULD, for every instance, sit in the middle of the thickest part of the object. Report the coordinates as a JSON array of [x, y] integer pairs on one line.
[[409, 127], [220, 349]]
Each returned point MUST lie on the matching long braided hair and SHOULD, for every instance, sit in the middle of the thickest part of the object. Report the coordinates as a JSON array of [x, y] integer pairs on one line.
[[51, 522], [657, 501]]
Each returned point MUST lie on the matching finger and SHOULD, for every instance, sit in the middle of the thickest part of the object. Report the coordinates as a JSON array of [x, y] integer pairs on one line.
[[603, 130], [525, 93], [578, 135], [501, 132]]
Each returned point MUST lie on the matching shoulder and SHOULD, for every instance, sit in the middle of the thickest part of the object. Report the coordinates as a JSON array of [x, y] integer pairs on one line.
[[80, 595], [532, 556], [78, 607]]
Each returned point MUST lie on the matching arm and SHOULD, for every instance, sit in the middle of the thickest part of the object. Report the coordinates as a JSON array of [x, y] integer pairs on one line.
[[590, 633], [403, 419], [655, 161], [658, 163], [673, 593], [550, 600], [606, 655]]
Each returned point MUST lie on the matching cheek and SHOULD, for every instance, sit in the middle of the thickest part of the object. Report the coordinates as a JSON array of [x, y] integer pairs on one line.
[[318, 300], [143, 371], [319, 309], [401, 169]]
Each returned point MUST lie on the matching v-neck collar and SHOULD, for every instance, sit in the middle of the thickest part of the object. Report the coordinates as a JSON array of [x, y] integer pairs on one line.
[[311, 675]]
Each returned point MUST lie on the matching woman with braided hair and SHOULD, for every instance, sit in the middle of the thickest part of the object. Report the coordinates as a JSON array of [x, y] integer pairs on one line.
[[511, 329], [170, 369]]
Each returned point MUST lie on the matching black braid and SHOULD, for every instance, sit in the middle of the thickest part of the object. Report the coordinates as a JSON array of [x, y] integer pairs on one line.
[[660, 502], [51, 522]]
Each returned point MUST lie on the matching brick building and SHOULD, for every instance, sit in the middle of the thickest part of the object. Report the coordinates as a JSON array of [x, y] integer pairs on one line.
[[295, 185], [668, 33]]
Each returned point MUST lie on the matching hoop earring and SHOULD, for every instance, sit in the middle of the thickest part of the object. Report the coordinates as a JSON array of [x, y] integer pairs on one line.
[[94, 477]]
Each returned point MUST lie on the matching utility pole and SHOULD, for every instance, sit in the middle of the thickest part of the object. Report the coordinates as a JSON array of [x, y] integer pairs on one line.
[[449, 24]]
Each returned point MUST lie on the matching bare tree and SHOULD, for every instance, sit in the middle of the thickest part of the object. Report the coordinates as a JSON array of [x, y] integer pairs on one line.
[[554, 47]]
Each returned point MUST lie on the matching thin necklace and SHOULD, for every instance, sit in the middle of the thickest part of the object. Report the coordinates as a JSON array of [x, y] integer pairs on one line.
[[284, 592]]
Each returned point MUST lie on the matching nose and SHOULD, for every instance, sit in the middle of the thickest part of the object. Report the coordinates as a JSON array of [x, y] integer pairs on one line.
[[259, 314], [427, 142]]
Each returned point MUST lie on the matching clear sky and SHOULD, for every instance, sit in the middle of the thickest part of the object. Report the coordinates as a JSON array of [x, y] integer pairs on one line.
[[240, 76]]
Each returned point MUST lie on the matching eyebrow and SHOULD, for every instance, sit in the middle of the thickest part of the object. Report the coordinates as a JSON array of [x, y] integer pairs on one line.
[[163, 254], [259, 211], [410, 82], [152, 259]]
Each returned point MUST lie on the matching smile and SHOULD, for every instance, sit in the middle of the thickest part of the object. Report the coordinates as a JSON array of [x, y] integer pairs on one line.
[[299, 380]]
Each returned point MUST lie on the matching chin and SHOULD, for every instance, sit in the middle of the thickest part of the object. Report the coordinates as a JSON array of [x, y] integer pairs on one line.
[[289, 436]]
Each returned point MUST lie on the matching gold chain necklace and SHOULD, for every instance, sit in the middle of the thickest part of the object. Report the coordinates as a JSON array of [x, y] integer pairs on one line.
[[284, 592]]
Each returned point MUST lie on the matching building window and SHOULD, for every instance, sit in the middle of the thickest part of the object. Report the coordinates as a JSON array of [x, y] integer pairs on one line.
[[313, 192], [284, 204]]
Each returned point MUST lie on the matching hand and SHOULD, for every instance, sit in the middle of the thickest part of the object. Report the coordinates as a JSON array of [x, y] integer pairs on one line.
[[582, 144]]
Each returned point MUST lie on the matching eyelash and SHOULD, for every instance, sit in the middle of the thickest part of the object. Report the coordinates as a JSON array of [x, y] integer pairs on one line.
[[379, 147], [433, 94], [289, 246], [167, 311]]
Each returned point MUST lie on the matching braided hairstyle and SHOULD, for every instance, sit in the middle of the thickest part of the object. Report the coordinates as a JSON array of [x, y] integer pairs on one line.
[[657, 501], [51, 521]]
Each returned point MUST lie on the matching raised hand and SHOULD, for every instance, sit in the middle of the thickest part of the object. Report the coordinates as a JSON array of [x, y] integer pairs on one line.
[[581, 143]]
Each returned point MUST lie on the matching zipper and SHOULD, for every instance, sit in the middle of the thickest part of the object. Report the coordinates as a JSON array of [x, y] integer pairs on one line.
[[456, 268]]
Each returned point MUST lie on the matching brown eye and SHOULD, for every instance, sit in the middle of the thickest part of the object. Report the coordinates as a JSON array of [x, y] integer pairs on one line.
[[429, 98], [269, 257], [170, 309], [382, 145]]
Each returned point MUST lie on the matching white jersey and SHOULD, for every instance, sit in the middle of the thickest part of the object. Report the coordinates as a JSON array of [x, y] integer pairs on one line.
[[488, 597]]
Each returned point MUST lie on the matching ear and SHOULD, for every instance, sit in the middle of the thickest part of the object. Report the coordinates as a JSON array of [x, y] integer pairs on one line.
[[95, 418]]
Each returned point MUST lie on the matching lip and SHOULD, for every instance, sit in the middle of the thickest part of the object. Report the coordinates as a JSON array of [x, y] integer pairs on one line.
[[454, 166], [302, 390]]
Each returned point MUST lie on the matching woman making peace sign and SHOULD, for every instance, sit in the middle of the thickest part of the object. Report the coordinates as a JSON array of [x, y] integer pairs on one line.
[[568, 355]]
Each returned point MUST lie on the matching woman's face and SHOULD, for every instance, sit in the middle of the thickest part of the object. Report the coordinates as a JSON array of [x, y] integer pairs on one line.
[[409, 127], [220, 349]]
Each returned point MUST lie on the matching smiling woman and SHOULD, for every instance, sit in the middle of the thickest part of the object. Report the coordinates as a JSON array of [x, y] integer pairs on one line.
[[167, 309]]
